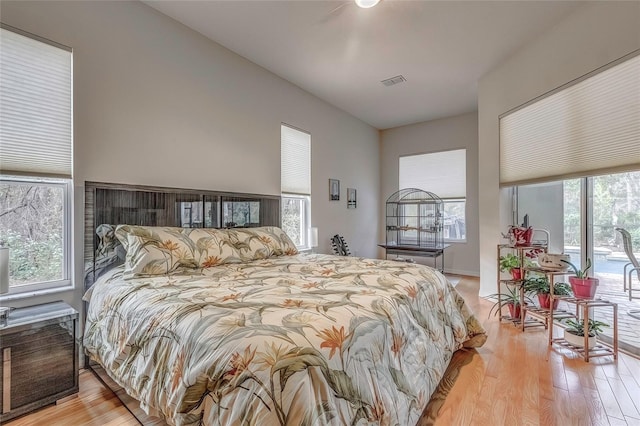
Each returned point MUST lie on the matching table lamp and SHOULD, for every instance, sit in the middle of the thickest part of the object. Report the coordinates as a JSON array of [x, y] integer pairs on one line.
[[4, 277], [313, 238]]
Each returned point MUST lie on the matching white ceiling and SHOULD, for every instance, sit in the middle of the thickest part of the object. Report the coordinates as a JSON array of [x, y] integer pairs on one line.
[[340, 53]]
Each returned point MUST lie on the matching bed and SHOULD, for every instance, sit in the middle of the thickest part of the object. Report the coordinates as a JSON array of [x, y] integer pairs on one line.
[[234, 326]]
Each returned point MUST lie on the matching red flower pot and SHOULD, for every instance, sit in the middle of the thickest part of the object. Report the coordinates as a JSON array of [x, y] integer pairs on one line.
[[516, 274], [545, 301], [583, 288], [522, 236], [514, 310]]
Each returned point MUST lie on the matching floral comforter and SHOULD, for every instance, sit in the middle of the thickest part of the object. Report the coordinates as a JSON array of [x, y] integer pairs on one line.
[[290, 340]]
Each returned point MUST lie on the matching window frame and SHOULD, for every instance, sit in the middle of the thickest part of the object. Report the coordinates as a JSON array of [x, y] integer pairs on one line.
[[305, 222], [457, 200], [66, 282]]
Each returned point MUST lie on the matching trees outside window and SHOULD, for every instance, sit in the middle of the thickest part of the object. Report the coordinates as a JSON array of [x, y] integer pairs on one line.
[[295, 213], [34, 225]]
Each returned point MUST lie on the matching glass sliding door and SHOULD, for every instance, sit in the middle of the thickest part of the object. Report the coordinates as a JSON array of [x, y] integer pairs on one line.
[[573, 196], [555, 207], [582, 216], [615, 203]]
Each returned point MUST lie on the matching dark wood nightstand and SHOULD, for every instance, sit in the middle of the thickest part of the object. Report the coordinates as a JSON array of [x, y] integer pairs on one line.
[[39, 358]]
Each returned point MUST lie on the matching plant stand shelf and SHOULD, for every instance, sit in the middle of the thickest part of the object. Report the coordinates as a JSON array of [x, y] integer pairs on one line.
[[583, 308], [596, 351], [528, 321], [521, 251], [543, 315]]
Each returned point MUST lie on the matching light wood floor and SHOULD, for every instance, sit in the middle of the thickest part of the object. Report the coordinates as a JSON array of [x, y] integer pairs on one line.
[[515, 379], [95, 405]]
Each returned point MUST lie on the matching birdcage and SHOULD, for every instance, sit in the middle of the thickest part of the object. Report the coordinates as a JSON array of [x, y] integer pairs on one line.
[[414, 219]]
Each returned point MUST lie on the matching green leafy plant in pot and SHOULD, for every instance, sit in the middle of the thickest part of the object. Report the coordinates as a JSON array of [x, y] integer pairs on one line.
[[511, 263], [510, 299], [583, 286], [575, 333], [539, 285]]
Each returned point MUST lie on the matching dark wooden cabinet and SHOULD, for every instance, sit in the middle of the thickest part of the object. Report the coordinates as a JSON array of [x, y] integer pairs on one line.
[[39, 358]]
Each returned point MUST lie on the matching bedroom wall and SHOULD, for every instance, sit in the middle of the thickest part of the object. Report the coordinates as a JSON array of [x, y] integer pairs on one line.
[[433, 136], [594, 35], [156, 103]]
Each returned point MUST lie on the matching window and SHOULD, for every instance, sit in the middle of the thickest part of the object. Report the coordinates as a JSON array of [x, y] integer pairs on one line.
[[454, 228], [295, 174], [593, 207], [295, 214], [34, 224], [35, 159], [444, 174]]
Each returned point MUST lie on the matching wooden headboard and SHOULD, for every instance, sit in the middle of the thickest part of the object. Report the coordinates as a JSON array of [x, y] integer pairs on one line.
[[108, 205]]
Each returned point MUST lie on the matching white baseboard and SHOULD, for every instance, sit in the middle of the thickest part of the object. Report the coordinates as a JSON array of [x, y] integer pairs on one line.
[[461, 272]]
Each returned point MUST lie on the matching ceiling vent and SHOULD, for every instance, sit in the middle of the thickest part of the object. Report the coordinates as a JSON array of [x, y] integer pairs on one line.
[[393, 80]]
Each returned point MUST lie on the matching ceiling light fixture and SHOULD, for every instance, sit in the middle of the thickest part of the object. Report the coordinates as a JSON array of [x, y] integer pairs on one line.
[[366, 4]]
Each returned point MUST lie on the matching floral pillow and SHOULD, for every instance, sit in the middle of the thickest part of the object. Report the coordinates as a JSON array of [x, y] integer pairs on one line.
[[168, 250], [261, 243]]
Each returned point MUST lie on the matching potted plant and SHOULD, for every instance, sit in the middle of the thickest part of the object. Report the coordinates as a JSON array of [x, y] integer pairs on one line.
[[574, 333], [539, 285], [583, 286], [510, 299], [511, 263], [521, 236]]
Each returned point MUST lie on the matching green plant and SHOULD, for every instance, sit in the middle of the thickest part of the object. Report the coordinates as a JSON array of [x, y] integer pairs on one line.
[[508, 262], [577, 327], [34, 259], [510, 297], [577, 272], [536, 284], [562, 289], [540, 285]]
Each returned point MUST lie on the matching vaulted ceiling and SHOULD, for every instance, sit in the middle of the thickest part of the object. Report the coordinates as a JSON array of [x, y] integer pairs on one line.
[[340, 52]]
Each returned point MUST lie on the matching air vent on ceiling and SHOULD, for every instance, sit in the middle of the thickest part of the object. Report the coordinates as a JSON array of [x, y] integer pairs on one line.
[[393, 80]]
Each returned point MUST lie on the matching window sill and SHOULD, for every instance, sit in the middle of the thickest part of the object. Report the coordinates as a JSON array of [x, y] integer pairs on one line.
[[35, 293], [455, 241]]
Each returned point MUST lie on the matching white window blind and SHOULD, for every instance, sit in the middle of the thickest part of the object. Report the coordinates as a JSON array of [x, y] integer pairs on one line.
[[295, 161], [35, 107], [442, 173], [588, 128]]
